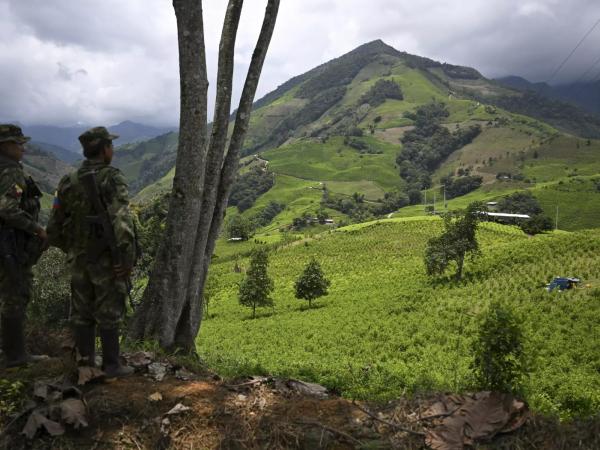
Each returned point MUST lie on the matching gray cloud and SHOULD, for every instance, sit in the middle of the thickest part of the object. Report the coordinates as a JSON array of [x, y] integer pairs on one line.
[[64, 62]]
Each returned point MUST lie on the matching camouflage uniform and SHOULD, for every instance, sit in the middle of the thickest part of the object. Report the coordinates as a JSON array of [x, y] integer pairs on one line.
[[98, 295], [20, 248]]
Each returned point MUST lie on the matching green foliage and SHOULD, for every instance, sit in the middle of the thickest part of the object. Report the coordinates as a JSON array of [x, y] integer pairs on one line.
[[499, 357], [311, 284], [144, 163], [249, 186], [380, 91], [425, 146], [240, 227], [522, 202], [455, 187], [51, 296], [457, 241], [537, 224], [266, 214], [363, 147], [389, 329], [256, 287], [11, 397], [559, 114]]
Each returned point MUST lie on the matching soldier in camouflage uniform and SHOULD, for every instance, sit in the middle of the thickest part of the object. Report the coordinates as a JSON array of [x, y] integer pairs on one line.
[[99, 284], [22, 240]]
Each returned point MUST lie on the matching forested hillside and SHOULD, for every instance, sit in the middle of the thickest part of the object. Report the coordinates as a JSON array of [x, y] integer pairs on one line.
[[377, 130]]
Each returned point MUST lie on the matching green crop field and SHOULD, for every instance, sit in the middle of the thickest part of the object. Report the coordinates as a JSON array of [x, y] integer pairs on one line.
[[386, 329], [334, 161]]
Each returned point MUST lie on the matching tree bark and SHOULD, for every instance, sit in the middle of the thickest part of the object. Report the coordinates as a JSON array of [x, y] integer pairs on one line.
[[171, 309], [215, 205], [164, 298]]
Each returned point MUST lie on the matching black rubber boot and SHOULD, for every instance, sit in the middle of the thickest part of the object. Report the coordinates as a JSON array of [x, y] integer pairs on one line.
[[13, 343], [85, 341], [111, 364]]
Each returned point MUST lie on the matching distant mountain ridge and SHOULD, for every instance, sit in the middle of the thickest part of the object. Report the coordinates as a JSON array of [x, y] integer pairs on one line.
[[586, 95], [66, 137]]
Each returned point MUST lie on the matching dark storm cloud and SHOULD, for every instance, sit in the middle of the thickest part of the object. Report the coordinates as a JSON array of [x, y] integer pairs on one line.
[[65, 61]]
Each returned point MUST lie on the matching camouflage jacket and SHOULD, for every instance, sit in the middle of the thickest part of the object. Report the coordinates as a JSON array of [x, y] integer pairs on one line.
[[68, 227], [19, 197]]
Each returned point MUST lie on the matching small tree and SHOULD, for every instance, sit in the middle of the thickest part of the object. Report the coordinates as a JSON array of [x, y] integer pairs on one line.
[[499, 363], [239, 227], [458, 240], [312, 283], [537, 224], [257, 285]]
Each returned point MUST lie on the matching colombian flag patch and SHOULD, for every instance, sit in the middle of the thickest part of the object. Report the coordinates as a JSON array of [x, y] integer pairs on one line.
[[17, 191], [56, 201]]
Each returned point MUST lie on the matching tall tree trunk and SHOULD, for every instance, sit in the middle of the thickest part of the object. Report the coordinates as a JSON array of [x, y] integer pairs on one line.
[[164, 299], [171, 309], [214, 207]]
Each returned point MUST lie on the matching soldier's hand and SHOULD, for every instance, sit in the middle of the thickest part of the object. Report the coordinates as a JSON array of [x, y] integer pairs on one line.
[[121, 271], [43, 236]]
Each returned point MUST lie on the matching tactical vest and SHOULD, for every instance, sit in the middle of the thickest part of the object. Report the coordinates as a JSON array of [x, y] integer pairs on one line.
[[80, 235], [16, 243]]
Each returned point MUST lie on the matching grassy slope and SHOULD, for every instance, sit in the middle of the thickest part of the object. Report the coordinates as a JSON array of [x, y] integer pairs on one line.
[[512, 144], [386, 329]]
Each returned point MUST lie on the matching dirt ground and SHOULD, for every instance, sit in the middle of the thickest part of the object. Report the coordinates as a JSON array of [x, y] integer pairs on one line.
[[251, 413]]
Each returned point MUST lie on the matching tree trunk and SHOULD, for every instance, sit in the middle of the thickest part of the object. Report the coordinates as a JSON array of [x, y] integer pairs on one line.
[[460, 263], [216, 206], [163, 301], [171, 309]]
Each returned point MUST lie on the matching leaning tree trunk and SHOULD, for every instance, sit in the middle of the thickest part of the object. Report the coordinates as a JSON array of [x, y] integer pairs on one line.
[[171, 309]]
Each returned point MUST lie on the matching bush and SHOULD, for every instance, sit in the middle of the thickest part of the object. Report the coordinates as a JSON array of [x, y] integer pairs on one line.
[[51, 296], [311, 284], [537, 224], [499, 363], [239, 227], [249, 186], [257, 286], [380, 92]]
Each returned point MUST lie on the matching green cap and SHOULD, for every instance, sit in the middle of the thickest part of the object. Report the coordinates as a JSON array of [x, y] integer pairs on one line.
[[12, 133], [95, 134]]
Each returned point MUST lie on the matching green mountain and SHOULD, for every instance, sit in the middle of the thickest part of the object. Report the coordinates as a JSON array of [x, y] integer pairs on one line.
[[44, 167], [376, 129], [146, 162]]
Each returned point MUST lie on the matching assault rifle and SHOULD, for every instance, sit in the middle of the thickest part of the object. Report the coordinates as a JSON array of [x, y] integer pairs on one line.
[[102, 221], [10, 259]]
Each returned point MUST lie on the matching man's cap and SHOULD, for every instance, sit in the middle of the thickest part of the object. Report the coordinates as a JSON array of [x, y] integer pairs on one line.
[[93, 135], [12, 133]]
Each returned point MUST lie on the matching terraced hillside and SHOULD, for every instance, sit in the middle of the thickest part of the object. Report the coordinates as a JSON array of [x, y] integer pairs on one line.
[[386, 328], [340, 128]]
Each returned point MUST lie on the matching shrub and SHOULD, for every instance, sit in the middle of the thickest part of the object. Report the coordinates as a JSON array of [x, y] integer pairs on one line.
[[499, 363], [51, 294], [537, 224], [239, 227], [257, 285], [311, 284]]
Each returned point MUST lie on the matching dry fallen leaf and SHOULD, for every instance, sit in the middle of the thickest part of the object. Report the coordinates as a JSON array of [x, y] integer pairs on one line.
[[38, 420], [40, 390], [158, 371], [178, 409], [72, 411], [156, 397], [87, 374]]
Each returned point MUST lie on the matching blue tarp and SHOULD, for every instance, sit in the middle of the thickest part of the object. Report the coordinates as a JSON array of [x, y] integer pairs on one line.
[[562, 283]]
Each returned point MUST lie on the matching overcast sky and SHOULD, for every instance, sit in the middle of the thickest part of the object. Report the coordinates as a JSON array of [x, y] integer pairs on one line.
[[103, 61]]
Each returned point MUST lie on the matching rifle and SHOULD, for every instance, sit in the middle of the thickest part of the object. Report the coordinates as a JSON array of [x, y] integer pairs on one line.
[[102, 220], [9, 258]]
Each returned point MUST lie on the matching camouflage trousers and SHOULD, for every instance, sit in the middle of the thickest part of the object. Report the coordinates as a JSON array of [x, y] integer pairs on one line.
[[98, 298], [15, 294]]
